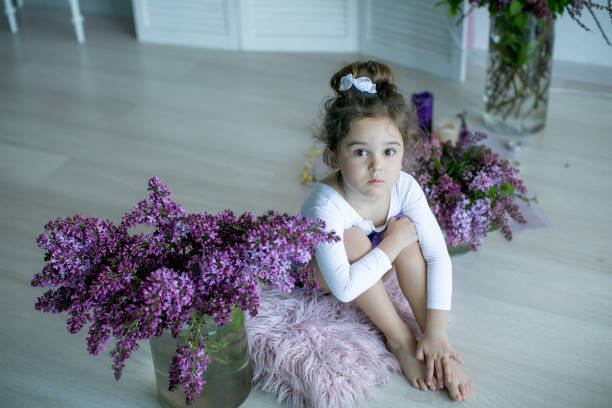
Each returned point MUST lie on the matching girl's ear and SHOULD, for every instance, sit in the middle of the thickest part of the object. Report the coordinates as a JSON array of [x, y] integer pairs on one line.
[[333, 160]]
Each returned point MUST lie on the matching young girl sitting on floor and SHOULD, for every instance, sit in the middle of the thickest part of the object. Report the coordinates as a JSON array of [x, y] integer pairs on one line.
[[386, 225]]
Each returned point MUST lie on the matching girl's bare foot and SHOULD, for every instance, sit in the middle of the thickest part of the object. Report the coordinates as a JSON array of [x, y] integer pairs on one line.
[[413, 369], [460, 387]]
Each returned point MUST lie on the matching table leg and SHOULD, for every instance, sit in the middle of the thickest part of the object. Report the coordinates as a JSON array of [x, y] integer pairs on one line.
[[77, 20], [9, 10]]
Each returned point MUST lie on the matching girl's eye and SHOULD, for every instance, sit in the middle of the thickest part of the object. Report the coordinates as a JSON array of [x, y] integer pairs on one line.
[[359, 152], [389, 152]]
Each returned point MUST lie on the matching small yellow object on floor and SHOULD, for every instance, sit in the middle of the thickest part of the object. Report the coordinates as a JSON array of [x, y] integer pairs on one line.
[[307, 176]]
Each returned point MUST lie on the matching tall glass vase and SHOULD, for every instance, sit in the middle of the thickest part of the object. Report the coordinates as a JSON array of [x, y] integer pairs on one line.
[[518, 74], [228, 376]]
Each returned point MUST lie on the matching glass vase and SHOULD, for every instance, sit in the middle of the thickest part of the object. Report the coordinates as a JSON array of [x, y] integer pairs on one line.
[[460, 249], [518, 74], [228, 376]]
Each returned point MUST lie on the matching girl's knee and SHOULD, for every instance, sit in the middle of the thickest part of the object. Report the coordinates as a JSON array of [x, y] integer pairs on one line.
[[412, 254]]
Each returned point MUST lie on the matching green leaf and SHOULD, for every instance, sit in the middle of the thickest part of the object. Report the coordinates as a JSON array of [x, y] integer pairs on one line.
[[515, 7], [507, 188], [454, 6], [532, 48], [527, 52], [520, 21]]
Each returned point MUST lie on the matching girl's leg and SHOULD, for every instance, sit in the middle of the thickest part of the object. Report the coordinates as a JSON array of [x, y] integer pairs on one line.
[[412, 277], [377, 306], [375, 302]]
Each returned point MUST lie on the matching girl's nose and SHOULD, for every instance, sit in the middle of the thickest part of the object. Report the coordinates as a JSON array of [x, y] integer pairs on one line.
[[375, 164]]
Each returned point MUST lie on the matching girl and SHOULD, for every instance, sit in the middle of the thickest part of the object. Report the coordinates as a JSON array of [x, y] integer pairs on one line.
[[385, 223]]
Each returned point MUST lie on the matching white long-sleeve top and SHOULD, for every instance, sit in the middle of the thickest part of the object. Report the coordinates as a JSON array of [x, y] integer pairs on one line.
[[347, 281]]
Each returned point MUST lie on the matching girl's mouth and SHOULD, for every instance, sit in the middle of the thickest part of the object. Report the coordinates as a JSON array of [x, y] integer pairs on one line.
[[375, 181]]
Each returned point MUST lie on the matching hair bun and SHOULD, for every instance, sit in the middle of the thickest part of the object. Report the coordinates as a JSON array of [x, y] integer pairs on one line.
[[386, 89], [378, 72]]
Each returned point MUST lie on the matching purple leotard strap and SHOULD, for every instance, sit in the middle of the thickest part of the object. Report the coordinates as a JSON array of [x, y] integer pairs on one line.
[[376, 237]]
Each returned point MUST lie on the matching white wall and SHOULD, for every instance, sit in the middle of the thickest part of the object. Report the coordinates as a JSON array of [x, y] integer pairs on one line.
[[573, 43]]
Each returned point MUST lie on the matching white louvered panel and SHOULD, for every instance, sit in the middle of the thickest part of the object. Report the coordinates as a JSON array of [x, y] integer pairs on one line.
[[410, 41], [414, 33], [411, 27], [299, 25], [210, 16], [205, 23], [280, 18]]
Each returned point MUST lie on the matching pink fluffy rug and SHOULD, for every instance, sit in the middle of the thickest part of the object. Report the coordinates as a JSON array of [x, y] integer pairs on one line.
[[312, 350]]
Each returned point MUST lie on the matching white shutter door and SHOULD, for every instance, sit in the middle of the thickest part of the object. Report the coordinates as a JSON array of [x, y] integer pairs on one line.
[[299, 25], [414, 33], [202, 23]]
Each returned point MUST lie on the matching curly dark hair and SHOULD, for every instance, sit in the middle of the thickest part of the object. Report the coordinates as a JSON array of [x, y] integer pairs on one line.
[[346, 106]]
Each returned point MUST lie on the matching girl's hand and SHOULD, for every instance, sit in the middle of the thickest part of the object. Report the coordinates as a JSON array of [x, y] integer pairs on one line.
[[436, 351], [402, 231]]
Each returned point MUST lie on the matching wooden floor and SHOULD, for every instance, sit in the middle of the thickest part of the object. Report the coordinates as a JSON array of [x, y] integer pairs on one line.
[[82, 128]]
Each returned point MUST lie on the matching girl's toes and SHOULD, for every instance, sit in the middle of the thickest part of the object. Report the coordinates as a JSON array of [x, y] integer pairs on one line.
[[414, 383], [469, 391], [453, 391], [422, 384], [464, 391]]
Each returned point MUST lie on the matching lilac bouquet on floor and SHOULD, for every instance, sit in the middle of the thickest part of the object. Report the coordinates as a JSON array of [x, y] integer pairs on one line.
[[469, 189], [189, 268]]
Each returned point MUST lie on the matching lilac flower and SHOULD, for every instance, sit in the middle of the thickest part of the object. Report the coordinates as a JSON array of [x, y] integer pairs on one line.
[[469, 189], [132, 286], [187, 369], [540, 9]]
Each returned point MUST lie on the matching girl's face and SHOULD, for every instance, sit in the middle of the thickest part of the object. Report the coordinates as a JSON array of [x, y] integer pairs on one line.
[[370, 156]]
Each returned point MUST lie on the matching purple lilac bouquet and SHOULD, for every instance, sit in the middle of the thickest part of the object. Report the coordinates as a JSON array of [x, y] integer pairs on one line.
[[469, 189], [189, 268]]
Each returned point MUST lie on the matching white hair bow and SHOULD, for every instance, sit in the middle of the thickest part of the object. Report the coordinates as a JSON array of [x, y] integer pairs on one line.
[[364, 84]]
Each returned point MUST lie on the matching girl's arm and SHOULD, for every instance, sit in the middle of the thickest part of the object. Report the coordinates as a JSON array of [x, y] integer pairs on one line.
[[432, 243], [346, 281], [393, 244]]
